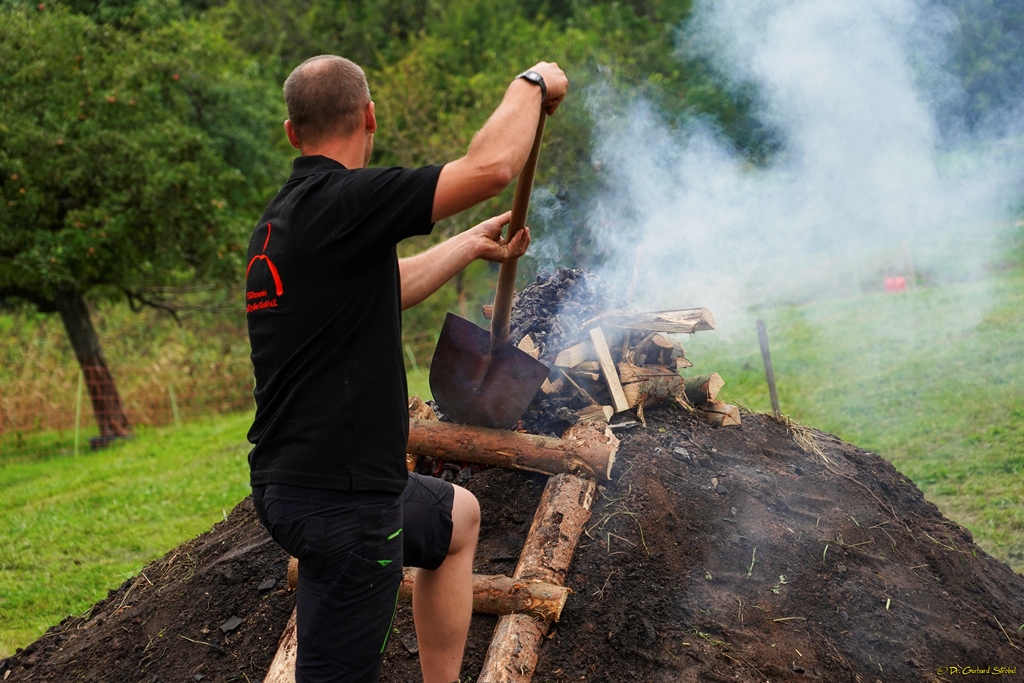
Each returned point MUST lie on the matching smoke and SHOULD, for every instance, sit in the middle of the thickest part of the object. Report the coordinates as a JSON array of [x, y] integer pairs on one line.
[[874, 176]]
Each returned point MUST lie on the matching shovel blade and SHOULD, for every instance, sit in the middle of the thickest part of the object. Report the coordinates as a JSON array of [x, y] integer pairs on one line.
[[474, 386]]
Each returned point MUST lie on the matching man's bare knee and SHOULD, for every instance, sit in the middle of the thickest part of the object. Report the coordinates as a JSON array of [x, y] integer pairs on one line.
[[465, 521]]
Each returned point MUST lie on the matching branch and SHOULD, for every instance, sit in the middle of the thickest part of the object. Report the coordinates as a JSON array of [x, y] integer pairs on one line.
[[44, 304]]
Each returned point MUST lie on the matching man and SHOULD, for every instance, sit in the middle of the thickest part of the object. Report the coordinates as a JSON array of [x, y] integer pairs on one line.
[[324, 293]]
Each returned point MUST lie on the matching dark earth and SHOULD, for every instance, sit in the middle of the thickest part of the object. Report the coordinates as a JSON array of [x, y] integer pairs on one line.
[[715, 554]]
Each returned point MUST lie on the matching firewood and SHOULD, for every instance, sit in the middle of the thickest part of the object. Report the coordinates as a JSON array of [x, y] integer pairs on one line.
[[503, 448], [575, 354], [611, 376], [650, 384], [487, 310], [563, 510], [704, 388], [719, 414], [499, 594], [684, 321], [421, 411], [595, 412], [550, 387], [529, 346]]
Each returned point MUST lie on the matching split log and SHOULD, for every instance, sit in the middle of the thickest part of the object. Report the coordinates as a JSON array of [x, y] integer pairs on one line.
[[704, 388], [611, 376], [282, 667], [563, 510], [575, 354], [513, 450], [650, 384], [719, 414], [684, 321]]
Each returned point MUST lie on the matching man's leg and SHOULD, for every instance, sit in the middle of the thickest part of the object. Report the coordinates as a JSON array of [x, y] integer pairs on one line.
[[442, 601]]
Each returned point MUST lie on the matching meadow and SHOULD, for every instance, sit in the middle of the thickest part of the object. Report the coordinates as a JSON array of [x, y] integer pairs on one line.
[[930, 378]]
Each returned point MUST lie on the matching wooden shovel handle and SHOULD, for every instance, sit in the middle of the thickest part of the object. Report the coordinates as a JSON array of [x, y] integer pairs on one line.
[[507, 273]]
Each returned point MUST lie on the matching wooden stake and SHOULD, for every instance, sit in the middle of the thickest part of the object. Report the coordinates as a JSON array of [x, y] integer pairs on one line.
[[563, 510], [611, 375], [762, 336]]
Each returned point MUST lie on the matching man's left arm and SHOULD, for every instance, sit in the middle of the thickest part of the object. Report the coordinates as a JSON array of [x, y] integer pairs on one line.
[[425, 273]]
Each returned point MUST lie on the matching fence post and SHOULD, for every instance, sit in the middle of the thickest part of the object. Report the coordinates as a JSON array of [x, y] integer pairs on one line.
[[78, 411], [174, 405]]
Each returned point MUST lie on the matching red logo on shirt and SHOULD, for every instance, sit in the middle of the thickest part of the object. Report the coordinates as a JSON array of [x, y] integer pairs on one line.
[[278, 285]]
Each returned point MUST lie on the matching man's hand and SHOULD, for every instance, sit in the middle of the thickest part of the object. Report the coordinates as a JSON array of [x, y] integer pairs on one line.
[[491, 246], [555, 81]]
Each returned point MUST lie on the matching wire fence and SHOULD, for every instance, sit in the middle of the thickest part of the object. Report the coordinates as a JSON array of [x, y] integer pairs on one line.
[[53, 413]]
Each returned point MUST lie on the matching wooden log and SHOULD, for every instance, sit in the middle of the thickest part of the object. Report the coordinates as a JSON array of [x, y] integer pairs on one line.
[[282, 667], [611, 376], [421, 411], [650, 384], [493, 594], [513, 450], [704, 388], [719, 414], [563, 510], [499, 594], [293, 573]]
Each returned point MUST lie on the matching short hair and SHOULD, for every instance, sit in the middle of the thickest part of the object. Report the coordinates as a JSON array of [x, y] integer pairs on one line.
[[326, 95]]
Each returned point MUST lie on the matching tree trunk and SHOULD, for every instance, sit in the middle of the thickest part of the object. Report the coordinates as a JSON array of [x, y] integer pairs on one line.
[[106, 402]]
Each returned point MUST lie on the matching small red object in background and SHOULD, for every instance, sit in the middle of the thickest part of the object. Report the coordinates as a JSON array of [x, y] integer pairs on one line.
[[895, 284]]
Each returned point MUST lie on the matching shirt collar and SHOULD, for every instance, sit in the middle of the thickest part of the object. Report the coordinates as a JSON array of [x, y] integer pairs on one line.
[[304, 166]]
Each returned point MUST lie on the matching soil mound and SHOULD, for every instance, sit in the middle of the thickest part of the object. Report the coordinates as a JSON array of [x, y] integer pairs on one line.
[[716, 554]]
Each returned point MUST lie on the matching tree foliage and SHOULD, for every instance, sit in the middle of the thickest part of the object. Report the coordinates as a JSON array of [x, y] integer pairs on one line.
[[128, 161]]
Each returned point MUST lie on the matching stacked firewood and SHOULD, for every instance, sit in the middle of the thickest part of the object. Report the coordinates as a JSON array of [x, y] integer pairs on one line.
[[605, 359]]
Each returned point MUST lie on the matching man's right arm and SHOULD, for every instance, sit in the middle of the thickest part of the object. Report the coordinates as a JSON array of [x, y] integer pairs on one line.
[[499, 150]]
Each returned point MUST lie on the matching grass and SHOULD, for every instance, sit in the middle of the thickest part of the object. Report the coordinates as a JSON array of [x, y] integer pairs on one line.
[[932, 379], [71, 527]]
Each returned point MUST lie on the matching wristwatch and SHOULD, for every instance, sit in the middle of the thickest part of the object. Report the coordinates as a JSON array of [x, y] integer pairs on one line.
[[536, 79]]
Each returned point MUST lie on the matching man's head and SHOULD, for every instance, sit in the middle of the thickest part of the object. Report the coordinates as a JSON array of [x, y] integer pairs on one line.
[[327, 97]]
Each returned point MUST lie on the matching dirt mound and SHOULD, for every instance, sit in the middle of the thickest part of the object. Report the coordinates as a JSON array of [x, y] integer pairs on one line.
[[716, 554]]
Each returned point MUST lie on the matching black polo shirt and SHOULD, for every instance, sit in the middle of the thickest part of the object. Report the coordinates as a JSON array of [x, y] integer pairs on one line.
[[323, 306]]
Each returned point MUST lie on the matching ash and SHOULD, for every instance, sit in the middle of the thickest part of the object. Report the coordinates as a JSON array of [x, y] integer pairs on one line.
[[554, 306]]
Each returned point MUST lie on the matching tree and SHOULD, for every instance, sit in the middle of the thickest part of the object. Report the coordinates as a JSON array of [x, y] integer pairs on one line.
[[130, 163]]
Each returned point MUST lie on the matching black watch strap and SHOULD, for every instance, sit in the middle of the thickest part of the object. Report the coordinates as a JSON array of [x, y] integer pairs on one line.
[[537, 79]]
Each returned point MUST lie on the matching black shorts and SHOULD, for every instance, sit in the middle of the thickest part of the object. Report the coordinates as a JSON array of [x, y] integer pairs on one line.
[[351, 548]]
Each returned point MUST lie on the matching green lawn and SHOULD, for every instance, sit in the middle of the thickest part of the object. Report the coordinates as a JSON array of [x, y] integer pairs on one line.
[[71, 528]]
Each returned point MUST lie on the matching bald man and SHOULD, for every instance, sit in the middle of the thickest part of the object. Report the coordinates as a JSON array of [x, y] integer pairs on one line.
[[324, 295]]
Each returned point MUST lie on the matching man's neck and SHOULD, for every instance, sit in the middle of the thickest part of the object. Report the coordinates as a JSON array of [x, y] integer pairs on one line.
[[349, 152]]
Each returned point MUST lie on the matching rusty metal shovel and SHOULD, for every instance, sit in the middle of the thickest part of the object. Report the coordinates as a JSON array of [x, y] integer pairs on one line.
[[476, 376]]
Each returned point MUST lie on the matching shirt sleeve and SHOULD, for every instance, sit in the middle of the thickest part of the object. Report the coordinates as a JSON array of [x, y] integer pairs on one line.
[[398, 202]]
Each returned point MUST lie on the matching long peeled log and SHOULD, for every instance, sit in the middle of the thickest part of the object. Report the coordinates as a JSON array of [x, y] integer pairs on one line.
[[492, 593], [499, 594], [563, 510], [502, 448]]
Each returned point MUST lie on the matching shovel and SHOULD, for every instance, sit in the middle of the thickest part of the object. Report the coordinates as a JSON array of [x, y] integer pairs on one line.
[[476, 376]]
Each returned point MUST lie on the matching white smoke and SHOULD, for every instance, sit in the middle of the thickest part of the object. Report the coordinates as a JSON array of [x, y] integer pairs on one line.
[[864, 184]]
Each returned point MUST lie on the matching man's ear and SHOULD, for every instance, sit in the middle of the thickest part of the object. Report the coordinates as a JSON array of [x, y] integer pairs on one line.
[[371, 119], [293, 138]]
